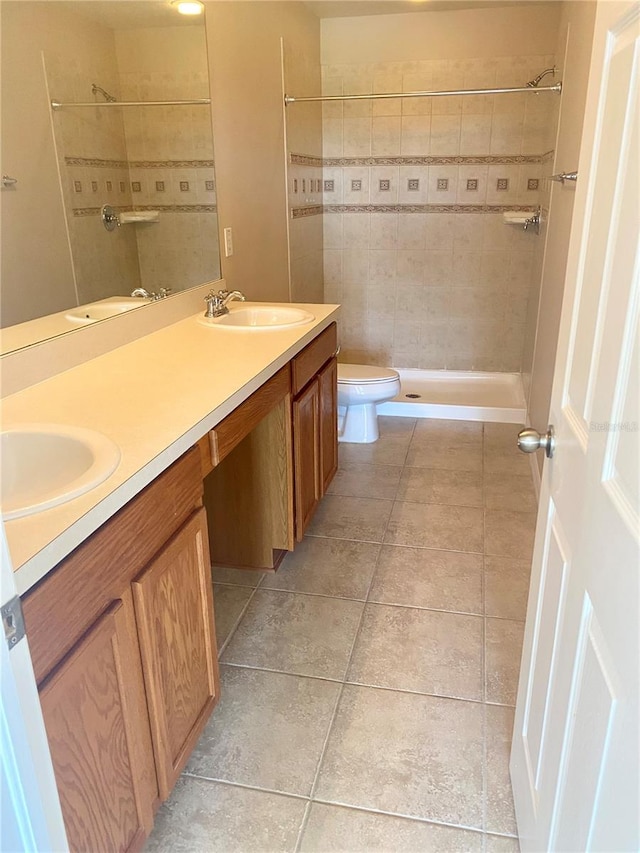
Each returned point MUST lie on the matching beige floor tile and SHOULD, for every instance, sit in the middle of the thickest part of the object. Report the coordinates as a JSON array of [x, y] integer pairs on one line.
[[503, 650], [510, 491], [451, 455], [268, 730], [450, 528], [335, 829], [359, 519], [501, 844], [510, 461], [300, 634], [389, 425], [204, 817], [228, 603], [426, 651], [421, 577], [465, 430], [335, 567], [501, 436], [509, 534], [434, 486], [506, 587], [239, 577], [389, 449], [366, 481], [499, 812], [406, 753]]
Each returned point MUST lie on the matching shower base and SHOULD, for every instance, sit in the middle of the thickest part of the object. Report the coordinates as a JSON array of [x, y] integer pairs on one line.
[[458, 395]]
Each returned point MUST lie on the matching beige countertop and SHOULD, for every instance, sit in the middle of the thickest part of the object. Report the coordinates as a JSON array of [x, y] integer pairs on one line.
[[154, 397]]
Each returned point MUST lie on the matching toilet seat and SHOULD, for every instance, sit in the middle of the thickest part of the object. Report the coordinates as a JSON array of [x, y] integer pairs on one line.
[[364, 374]]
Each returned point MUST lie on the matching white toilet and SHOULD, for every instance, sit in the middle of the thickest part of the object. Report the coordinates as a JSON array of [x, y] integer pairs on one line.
[[360, 388]]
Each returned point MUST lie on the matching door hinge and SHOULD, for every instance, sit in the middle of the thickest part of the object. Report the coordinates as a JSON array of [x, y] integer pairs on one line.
[[13, 621]]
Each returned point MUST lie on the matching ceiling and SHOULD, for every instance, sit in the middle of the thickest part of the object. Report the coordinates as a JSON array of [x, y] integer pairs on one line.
[[355, 8]]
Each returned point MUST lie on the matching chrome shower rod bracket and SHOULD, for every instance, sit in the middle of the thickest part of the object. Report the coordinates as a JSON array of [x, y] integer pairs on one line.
[[556, 87]]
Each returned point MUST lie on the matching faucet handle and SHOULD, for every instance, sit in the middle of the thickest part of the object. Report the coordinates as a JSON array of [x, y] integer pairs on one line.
[[215, 304]]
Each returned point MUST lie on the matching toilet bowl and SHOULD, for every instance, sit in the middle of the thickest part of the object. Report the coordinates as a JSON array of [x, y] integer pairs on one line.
[[360, 388]]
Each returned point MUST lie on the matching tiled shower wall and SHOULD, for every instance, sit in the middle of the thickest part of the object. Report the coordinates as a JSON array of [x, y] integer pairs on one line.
[[415, 248]]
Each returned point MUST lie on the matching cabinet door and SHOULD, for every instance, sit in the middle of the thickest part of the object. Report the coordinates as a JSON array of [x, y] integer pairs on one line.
[[328, 380], [174, 608], [306, 445], [98, 731]]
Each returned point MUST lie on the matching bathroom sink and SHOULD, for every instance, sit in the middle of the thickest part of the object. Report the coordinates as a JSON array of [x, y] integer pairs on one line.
[[44, 465], [103, 310], [260, 317]]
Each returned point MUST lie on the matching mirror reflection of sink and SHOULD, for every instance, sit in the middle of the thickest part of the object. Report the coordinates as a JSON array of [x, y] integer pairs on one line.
[[103, 310], [259, 317], [44, 465]]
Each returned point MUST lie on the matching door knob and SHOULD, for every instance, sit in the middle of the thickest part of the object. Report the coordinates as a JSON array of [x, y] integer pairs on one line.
[[530, 440]]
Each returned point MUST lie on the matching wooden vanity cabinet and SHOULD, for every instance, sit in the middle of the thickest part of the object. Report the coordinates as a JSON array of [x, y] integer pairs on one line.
[[95, 715], [174, 607], [314, 376], [123, 644], [306, 448]]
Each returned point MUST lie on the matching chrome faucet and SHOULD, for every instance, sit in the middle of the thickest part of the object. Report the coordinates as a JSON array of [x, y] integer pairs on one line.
[[145, 294], [217, 302]]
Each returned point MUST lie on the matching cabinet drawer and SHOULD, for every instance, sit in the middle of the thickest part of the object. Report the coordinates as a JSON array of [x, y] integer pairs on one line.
[[236, 426], [95, 574], [312, 358]]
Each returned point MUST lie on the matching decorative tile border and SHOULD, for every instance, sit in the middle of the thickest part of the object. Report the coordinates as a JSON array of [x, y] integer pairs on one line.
[[453, 160], [163, 208], [429, 160], [305, 160], [317, 209], [424, 208], [312, 210], [138, 164], [96, 162]]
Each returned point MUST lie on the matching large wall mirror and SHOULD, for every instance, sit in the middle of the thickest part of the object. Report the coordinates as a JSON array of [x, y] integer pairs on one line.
[[142, 146]]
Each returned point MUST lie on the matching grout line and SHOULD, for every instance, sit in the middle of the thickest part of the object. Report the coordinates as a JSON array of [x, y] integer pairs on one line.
[[340, 805], [245, 786], [303, 826], [381, 603], [402, 816], [235, 625], [361, 684], [400, 544], [346, 671]]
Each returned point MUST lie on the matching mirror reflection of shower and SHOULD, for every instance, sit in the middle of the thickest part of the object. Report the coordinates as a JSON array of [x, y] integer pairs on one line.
[[148, 157]]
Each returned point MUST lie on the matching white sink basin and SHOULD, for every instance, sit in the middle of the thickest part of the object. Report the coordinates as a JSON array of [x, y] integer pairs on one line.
[[43, 465], [103, 310], [260, 317]]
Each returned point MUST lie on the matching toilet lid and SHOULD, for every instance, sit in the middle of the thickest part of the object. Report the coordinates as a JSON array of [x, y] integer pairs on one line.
[[363, 373]]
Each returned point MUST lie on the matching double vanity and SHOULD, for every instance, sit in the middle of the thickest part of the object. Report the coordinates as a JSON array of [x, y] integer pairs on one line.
[[227, 441]]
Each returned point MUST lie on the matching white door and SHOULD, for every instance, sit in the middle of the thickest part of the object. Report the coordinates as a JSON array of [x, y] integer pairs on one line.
[[575, 760], [30, 815]]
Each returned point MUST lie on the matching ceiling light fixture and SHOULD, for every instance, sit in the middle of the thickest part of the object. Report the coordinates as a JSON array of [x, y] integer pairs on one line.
[[188, 7]]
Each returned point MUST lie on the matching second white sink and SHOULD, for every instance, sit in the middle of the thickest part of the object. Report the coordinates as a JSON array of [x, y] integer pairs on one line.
[[43, 465], [260, 317]]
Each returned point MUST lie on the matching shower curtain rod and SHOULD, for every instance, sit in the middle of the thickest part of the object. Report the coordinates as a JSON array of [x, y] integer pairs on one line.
[[557, 87], [57, 105]]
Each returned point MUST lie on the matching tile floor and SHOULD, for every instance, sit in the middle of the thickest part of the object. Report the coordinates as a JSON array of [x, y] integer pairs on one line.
[[368, 686]]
